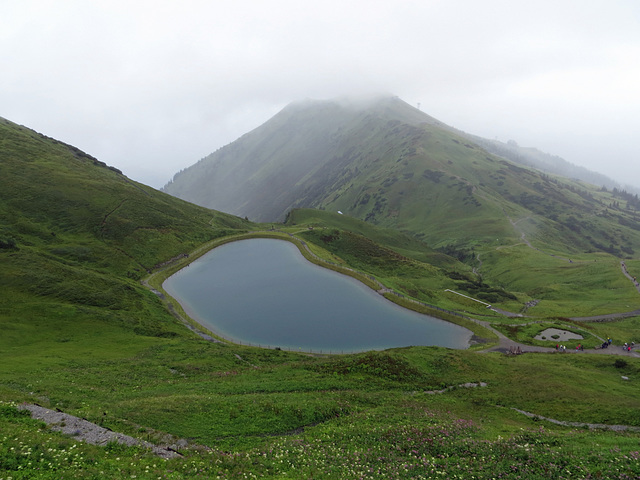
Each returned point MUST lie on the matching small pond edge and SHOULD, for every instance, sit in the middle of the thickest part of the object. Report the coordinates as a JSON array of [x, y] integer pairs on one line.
[[483, 337]]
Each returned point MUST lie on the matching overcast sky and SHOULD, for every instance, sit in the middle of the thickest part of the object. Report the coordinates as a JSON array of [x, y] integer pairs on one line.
[[151, 87]]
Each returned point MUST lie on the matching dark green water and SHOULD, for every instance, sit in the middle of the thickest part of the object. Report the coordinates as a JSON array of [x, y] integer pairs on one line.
[[264, 292]]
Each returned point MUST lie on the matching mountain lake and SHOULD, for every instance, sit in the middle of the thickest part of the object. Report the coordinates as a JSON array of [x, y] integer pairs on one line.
[[264, 292]]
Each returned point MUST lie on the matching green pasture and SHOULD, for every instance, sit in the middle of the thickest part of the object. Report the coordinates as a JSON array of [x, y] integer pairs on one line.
[[580, 286], [81, 333], [251, 403]]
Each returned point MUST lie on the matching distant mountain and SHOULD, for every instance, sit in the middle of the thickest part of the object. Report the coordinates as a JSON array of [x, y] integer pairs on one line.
[[390, 164], [547, 163]]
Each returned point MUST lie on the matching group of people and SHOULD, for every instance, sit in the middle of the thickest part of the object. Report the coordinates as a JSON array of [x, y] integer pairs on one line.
[[626, 347], [606, 344], [563, 348], [624, 268]]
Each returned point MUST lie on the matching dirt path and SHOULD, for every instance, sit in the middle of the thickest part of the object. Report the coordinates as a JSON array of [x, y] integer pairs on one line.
[[524, 239], [623, 266], [506, 345]]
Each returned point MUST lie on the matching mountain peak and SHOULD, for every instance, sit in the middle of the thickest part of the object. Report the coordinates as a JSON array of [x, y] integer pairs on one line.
[[386, 162], [386, 106]]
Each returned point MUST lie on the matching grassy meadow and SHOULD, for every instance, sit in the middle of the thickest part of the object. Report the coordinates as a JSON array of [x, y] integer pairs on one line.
[[250, 412], [80, 332]]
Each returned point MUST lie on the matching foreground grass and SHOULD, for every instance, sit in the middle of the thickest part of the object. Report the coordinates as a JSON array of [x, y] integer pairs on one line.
[[275, 414], [414, 442]]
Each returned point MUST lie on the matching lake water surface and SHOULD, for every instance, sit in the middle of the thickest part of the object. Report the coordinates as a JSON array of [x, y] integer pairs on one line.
[[264, 292]]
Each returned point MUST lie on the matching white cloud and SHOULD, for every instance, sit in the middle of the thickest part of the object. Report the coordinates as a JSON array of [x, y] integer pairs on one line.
[[151, 87]]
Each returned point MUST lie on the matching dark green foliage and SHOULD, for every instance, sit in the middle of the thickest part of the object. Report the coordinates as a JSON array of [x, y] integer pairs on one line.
[[8, 411], [8, 244], [463, 254], [620, 363], [432, 175], [360, 252], [375, 364], [485, 292]]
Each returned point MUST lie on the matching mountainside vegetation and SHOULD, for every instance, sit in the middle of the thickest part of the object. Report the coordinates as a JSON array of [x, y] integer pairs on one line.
[[551, 164], [81, 333], [391, 165], [77, 236]]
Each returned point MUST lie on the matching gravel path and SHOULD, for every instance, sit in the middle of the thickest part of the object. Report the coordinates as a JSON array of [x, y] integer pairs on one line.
[[506, 345], [90, 432]]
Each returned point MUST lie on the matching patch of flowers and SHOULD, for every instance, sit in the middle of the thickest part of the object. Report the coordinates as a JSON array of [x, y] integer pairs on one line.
[[419, 445]]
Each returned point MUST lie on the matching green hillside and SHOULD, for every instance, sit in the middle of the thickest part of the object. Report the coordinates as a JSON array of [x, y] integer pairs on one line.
[[390, 164], [77, 236], [535, 235], [80, 334]]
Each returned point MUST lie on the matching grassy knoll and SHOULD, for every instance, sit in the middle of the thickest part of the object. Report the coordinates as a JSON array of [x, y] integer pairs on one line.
[[526, 333], [621, 331], [579, 286], [402, 243]]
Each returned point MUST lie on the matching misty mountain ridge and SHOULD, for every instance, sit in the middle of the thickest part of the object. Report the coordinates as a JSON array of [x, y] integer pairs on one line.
[[547, 163], [392, 165], [511, 150]]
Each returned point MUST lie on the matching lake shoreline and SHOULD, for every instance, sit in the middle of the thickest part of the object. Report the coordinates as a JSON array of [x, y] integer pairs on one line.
[[310, 305]]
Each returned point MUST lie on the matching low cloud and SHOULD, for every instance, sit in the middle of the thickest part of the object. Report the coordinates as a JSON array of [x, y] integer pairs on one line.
[[152, 88]]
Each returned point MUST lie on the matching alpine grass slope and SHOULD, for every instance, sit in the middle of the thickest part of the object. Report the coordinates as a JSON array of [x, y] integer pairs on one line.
[[80, 334]]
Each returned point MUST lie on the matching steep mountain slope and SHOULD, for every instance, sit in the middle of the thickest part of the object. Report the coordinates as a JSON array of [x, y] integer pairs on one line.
[[390, 164], [76, 235], [269, 169]]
